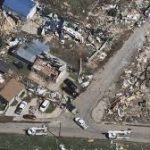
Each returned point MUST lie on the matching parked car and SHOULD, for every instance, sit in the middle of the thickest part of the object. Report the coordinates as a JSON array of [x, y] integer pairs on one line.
[[70, 92], [79, 121], [44, 105], [21, 107], [71, 84], [28, 116], [71, 88]]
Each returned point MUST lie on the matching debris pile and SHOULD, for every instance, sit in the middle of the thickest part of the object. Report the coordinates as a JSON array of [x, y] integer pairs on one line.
[[110, 20], [61, 28], [132, 101]]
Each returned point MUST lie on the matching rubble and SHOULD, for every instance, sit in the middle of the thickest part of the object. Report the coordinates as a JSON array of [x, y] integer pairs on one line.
[[131, 100], [84, 80]]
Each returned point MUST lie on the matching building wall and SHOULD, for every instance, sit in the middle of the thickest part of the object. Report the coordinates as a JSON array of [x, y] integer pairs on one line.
[[31, 13], [61, 75]]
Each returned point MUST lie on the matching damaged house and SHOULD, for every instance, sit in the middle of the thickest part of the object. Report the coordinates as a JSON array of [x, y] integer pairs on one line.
[[30, 51], [48, 71]]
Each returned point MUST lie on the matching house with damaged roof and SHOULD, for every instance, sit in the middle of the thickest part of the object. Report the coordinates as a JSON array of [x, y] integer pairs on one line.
[[30, 51]]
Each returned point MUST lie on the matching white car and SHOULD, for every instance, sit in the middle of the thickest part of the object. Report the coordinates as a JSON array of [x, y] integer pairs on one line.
[[21, 107], [44, 105], [79, 121]]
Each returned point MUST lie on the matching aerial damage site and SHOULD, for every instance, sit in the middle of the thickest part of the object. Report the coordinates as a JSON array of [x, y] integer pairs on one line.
[[54, 53]]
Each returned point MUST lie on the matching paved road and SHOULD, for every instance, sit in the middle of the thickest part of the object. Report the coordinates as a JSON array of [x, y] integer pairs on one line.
[[141, 134], [88, 100]]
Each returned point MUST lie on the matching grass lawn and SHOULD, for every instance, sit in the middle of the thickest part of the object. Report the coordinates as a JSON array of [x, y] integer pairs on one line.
[[21, 142]]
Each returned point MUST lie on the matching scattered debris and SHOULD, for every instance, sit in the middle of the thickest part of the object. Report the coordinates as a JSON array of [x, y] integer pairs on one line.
[[133, 90]]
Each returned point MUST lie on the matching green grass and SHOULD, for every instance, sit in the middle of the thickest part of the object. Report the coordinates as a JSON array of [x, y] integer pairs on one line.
[[21, 142]]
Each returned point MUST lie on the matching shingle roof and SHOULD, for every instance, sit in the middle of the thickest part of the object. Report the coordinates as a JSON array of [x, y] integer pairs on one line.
[[11, 89]]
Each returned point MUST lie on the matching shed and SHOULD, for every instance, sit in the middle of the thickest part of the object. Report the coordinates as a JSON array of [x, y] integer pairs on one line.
[[32, 50], [24, 9]]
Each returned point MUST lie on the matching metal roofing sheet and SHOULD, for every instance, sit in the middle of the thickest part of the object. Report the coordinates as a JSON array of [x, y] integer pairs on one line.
[[21, 7]]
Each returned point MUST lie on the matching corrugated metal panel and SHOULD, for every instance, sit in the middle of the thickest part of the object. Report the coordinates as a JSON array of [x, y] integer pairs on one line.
[[20, 7]]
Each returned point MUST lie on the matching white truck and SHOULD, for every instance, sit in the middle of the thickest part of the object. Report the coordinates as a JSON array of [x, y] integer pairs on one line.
[[118, 134], [37, 130]]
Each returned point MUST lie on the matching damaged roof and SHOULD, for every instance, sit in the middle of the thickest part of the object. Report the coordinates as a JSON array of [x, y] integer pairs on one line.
[[45, 68], [32, 50]]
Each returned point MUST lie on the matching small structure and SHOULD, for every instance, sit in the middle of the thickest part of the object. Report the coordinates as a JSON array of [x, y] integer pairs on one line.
[[30, 51], [24, 9], [46, 70], [12, 89]]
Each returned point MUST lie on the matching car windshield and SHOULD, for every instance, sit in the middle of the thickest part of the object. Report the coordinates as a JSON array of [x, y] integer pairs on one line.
[[43, 106]]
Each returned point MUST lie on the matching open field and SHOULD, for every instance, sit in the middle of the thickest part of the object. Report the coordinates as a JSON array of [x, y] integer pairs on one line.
[[20, 142]]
